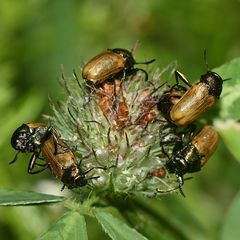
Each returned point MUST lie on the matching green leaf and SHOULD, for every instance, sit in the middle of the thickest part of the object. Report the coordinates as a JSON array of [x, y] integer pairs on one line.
[[70, 226], [116, 229], [231, 230], [230, 97], [19, 198], [230, 132]]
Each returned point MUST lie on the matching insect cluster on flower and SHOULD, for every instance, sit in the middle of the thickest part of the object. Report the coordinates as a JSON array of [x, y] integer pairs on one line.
[[121, 132]]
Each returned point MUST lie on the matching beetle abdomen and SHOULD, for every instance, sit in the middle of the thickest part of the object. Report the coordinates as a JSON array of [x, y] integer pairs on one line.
[[206, 143], [103, 66], [192, 104]]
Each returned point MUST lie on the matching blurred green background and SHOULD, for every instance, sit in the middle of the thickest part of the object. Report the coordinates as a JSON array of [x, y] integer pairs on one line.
[[37, 36]]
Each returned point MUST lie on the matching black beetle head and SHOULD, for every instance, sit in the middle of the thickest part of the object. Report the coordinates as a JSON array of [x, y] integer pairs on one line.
[[214, 83], [21, 139], [73, 178], [129, 60], [177, 164], [127, 55], [81, 180]]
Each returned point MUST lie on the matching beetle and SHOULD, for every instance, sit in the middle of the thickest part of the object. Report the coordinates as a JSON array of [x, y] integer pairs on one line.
[[194, 155], [110, 63], [28, 138], [34, 138], [38, 138], [197, 99], [63, 163], [182, 106]]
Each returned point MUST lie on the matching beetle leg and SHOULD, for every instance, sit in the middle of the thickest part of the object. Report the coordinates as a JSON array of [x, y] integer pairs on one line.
[[166, 191], [38, 171], [56, 144], [147, 62], [177, 87], [140, 69], [63, 187], [135, 70], [180, 184], [32, 163], [81, 196], [41, 164], [179, 187], [182, 77]]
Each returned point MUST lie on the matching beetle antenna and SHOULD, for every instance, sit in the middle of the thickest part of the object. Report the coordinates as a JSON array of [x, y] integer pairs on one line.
[[147, 62], [205, 59], [227, 79]]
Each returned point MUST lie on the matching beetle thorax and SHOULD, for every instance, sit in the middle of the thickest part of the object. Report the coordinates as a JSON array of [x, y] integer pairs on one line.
[[214, 83]]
